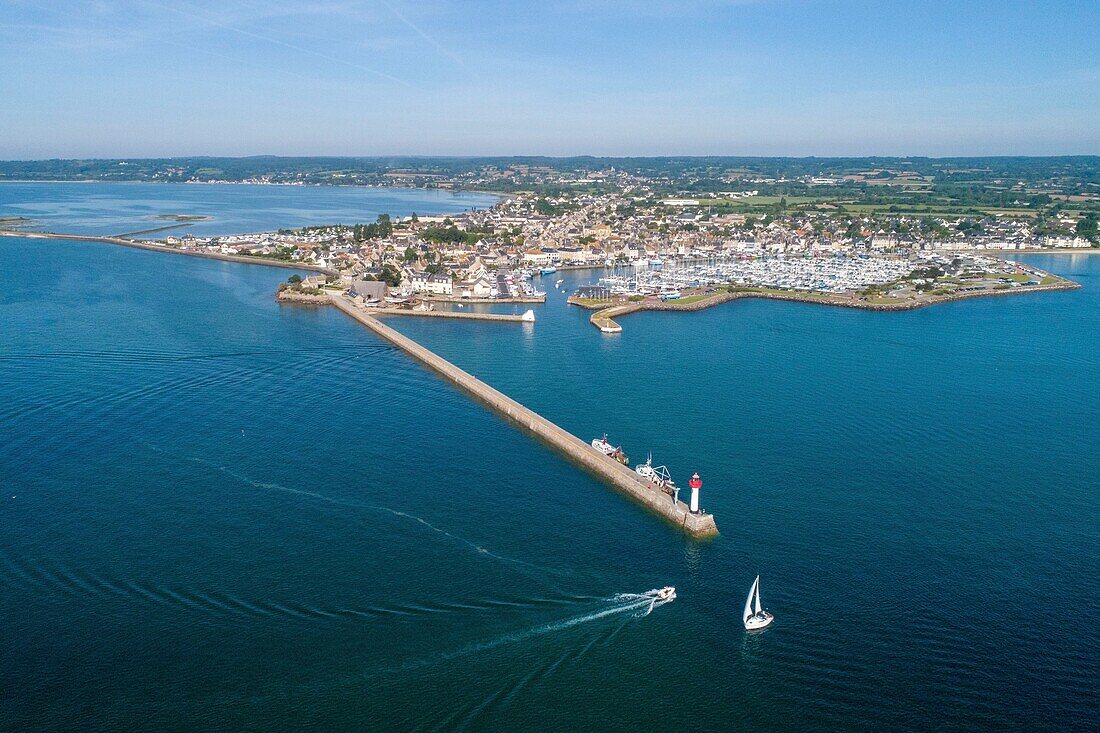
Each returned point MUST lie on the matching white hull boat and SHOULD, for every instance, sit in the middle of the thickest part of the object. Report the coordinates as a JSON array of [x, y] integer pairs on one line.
[[754, 616], [657, 475], [611, 451]]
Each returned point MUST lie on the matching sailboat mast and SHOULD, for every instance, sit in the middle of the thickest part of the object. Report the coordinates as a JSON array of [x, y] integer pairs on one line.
[[748, 603]]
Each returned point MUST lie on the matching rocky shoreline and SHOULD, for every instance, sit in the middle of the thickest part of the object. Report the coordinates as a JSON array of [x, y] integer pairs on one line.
[[287, 295]]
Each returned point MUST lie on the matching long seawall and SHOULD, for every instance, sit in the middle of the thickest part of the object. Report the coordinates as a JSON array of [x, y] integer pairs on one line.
[[569, 445], [605, 315], [499, 317]]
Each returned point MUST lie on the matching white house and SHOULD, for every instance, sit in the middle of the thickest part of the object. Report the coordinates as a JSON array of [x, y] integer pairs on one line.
[[420, 281], [536, 257]]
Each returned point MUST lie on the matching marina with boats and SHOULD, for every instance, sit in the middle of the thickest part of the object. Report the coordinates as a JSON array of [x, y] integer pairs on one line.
[[834, 274]]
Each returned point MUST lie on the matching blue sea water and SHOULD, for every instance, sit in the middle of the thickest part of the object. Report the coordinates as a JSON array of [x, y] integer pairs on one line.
[[113, 208], [221, 513]]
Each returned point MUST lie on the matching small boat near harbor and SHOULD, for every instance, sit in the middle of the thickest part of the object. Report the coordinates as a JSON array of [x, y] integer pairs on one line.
[[665, 594], [611, 451], [548, 270], [754, 616], [657, 475]]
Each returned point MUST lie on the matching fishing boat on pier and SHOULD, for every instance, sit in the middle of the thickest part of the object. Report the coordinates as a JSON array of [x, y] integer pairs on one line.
[[657, 475], [611, 451]]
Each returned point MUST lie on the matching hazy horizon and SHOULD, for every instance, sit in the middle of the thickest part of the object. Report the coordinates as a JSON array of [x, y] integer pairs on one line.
[[523, 156]]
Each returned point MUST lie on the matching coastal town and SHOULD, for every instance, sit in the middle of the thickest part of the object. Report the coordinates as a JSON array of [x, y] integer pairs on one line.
[[631, 223], [657, 247], [656, 237]]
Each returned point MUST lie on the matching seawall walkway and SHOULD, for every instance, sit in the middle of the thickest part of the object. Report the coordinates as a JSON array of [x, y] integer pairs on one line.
[[570, 446], [448, 314]]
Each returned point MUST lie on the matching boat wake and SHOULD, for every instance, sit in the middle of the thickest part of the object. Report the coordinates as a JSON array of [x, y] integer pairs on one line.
[[630, 605], [654, 598]]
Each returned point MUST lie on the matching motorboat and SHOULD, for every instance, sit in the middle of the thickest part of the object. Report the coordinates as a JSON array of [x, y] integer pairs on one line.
[[665, 594], [550, 270], [755, 617]]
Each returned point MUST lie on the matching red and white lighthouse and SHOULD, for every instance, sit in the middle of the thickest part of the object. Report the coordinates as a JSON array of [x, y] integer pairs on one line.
[[696, 483]]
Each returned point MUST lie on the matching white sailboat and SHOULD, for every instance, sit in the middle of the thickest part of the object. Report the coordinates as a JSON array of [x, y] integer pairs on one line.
[[755, 617]]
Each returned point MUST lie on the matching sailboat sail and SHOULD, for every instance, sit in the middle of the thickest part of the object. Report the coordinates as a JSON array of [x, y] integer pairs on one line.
[[748, 601], [756, 602]]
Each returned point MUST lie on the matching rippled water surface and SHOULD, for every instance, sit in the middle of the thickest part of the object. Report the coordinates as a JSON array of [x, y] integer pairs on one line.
[[217, 512]]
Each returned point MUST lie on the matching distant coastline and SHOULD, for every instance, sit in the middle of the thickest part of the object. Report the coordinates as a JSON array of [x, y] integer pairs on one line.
[[283, 184]]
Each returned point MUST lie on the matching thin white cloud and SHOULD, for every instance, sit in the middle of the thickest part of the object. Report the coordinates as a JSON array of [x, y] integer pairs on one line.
[[434, 43], [284, 44]]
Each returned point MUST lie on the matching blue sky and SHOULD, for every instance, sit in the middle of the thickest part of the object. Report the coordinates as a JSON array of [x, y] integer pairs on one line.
[[725, 77]]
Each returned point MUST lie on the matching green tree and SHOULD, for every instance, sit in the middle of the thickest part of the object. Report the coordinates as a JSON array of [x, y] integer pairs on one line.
[[385, 226], [545, 208], [390, 275], [1088, 228]]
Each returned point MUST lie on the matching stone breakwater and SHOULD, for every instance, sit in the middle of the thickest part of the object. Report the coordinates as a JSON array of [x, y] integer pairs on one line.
[[490, 301], [323, 298], [570, 446], [605, 315], [300, 298], [499, 317]]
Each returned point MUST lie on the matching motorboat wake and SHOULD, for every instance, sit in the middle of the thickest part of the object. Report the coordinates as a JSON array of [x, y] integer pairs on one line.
[[649, 600], [668, 593]]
